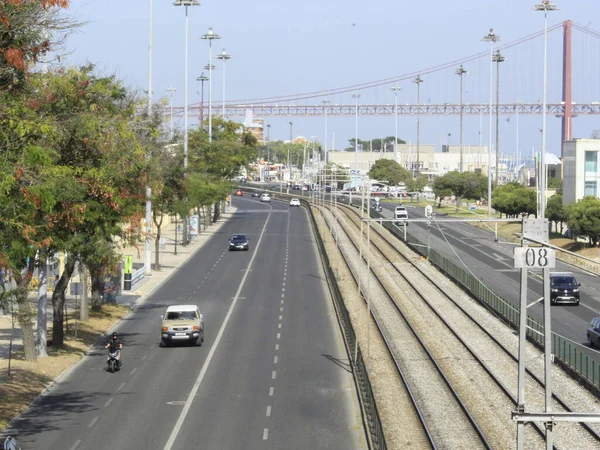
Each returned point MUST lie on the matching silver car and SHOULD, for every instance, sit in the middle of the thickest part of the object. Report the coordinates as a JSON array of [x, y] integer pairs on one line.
[[265, 198]]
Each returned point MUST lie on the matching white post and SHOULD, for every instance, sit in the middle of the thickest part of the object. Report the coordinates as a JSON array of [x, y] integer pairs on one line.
[[185, 94], [490, 136], [148, 237], [210, 77]]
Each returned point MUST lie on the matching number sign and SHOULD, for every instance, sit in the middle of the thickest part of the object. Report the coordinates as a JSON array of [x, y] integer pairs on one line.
[[534, 258]]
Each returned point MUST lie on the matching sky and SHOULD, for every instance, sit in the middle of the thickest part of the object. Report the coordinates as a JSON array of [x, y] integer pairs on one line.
[[281, 48]]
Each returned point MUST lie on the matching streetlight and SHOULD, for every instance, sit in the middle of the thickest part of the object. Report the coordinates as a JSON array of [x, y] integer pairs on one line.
[[171, 90], [289, 148], [224, 56], [491, 38], [418, 80], [498, 58], [147, 241], [268, 150], [396, 88], [202, 78], [325, 103], [356, 96], [186, 3], [210, 36], [460, 72]]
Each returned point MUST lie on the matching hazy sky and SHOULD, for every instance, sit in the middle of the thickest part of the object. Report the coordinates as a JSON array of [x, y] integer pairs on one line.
[[281, 48]]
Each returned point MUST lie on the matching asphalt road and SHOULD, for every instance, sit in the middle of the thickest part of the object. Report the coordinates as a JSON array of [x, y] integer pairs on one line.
[[492, 262], [272, 372]]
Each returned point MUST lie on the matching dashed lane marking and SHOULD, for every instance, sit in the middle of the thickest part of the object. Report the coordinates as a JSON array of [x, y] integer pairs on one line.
[[121, 386], [275, 359], [271, 391], [133, 371], [276, 347], [76, 444], [265, 434], [269, 411], [274, 375], [278, 335], [108, 402], [93, 422]]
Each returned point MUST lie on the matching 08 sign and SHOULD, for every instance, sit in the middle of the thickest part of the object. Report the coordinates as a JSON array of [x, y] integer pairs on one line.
[[534, 258]]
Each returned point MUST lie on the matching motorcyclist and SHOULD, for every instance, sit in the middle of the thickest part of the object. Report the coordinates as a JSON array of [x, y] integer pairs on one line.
[[115, 345]]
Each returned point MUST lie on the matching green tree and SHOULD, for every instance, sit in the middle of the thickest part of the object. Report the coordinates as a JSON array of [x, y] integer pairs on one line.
[[556, 212], [389, 171], [513, 199], [584, 218], [461, 185], [375, 145]]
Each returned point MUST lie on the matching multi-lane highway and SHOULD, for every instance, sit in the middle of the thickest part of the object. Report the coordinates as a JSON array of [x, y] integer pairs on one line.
[[492, 262], [272, 372]]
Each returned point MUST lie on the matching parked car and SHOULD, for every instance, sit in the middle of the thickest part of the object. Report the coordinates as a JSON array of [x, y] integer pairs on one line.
[[593, 332], [295, 202], [265, 198], [238, 192], [564, 288], [182, 323], [238, 242]]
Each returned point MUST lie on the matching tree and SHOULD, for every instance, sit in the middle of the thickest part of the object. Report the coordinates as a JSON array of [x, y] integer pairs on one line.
[[584, 218], [374, 145], [513, 199], [556, 212], [389, 171], [461, 185]]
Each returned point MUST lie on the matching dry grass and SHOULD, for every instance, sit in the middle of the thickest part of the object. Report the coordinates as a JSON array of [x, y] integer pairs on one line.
[[29, 379]]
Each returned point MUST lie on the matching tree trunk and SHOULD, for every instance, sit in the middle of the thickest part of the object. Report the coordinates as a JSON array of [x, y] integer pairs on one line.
[[97, 287], [42, 313], [216, 213], [24, 313], [157, 248], [206, 216], [458, 202], [58, 302], [84, 309]]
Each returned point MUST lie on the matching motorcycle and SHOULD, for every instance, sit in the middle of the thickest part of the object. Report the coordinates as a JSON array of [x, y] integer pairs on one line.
[[113, 363]]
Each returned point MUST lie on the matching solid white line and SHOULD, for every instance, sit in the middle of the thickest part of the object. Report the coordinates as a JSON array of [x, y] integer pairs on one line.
[[275, 360], [274, 375], [93, 422], [268, 411], [213, 349], [76, 444], [108, 402], [271, 391], [265, 434], [121, 386]]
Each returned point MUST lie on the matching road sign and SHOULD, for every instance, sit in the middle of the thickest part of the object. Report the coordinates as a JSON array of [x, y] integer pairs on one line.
[[428, 211], [536, 229], [534, 258]]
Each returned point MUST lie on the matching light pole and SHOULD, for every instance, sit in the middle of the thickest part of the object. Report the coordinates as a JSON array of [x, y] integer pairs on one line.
[[268, 149], [491, 38], [186, 3], [325, 103], [224, 56], [210, 36], [418, 80], [171, 90], [498, 58], [355, 96], [460, 72], [396, 88], [202, 78], [147, 241], [289, 148]]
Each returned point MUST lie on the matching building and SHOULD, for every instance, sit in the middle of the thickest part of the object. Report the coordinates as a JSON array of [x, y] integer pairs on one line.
[[255, 126], [581, 174]]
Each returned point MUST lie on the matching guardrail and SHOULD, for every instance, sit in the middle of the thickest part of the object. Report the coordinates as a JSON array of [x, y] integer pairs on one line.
[[566, 352], [137, 276]]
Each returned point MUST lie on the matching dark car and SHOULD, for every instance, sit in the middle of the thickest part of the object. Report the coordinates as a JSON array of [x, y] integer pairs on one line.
[[256, 194], [238, 242], [564, 288], [593, 332]]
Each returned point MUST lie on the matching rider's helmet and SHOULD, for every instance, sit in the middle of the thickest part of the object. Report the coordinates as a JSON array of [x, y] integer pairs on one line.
[[115, 336]]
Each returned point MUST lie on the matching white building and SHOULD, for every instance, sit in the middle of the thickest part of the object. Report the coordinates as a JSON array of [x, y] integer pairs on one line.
[[581, 174]]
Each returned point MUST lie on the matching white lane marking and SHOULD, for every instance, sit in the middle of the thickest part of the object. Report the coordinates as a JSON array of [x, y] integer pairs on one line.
[[269, 411], [265, 434], [121, 386], [279, 326], [274, 375], [284, 279], [275, 360], [213, 349], [133, 371], [280, 317], [282, 295], [278, 335], [271, 391], [144, 357], [281, 309], [282, 301], [276, 347], [284, 284], [76, 444], [108, 402], [283, 289], [93, 422]]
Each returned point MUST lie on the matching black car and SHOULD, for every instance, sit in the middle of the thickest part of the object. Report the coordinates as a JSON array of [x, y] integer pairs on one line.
[[256, 194], [238, 242], [564, 288]]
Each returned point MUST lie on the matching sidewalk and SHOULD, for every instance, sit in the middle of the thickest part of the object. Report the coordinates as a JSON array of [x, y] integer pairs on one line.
[[140, 291]]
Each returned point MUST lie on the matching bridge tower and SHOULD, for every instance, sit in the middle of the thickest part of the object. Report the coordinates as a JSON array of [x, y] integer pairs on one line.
[[567, 85]]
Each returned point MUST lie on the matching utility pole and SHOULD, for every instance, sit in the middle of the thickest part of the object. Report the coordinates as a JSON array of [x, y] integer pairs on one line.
[[418, 80], [460, 72], [498, 58]]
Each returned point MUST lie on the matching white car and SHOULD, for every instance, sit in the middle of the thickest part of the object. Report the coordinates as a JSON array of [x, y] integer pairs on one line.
[[265, 198], [182, 323], [295, 202]]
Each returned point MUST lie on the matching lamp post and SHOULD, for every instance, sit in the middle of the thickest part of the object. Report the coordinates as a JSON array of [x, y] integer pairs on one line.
[[355, 96], [268, 150], [491, 38], [224, 56], [289, 148], [147, 240], [498, 58], [210, 36], [325, 103], [396, 88], [460, 72], [202, 78], [418, 80], [186, 4], [171, 90]]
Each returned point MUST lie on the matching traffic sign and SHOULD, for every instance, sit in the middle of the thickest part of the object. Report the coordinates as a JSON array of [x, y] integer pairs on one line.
[[534, 258]]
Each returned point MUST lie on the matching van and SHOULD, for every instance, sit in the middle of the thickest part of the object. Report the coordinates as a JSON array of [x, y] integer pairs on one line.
[[401, 215], [564, 288]]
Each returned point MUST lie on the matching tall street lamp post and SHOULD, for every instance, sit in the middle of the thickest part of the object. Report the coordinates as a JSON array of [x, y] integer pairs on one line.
[[498, 58], [268, 150], [171, 90], [396, 88], [224, 56], [418, 80], [289, 148], [460, 72], [491, 38], [356, 97], [202, 78], [210, 36], [325, 103], [148, 240]]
